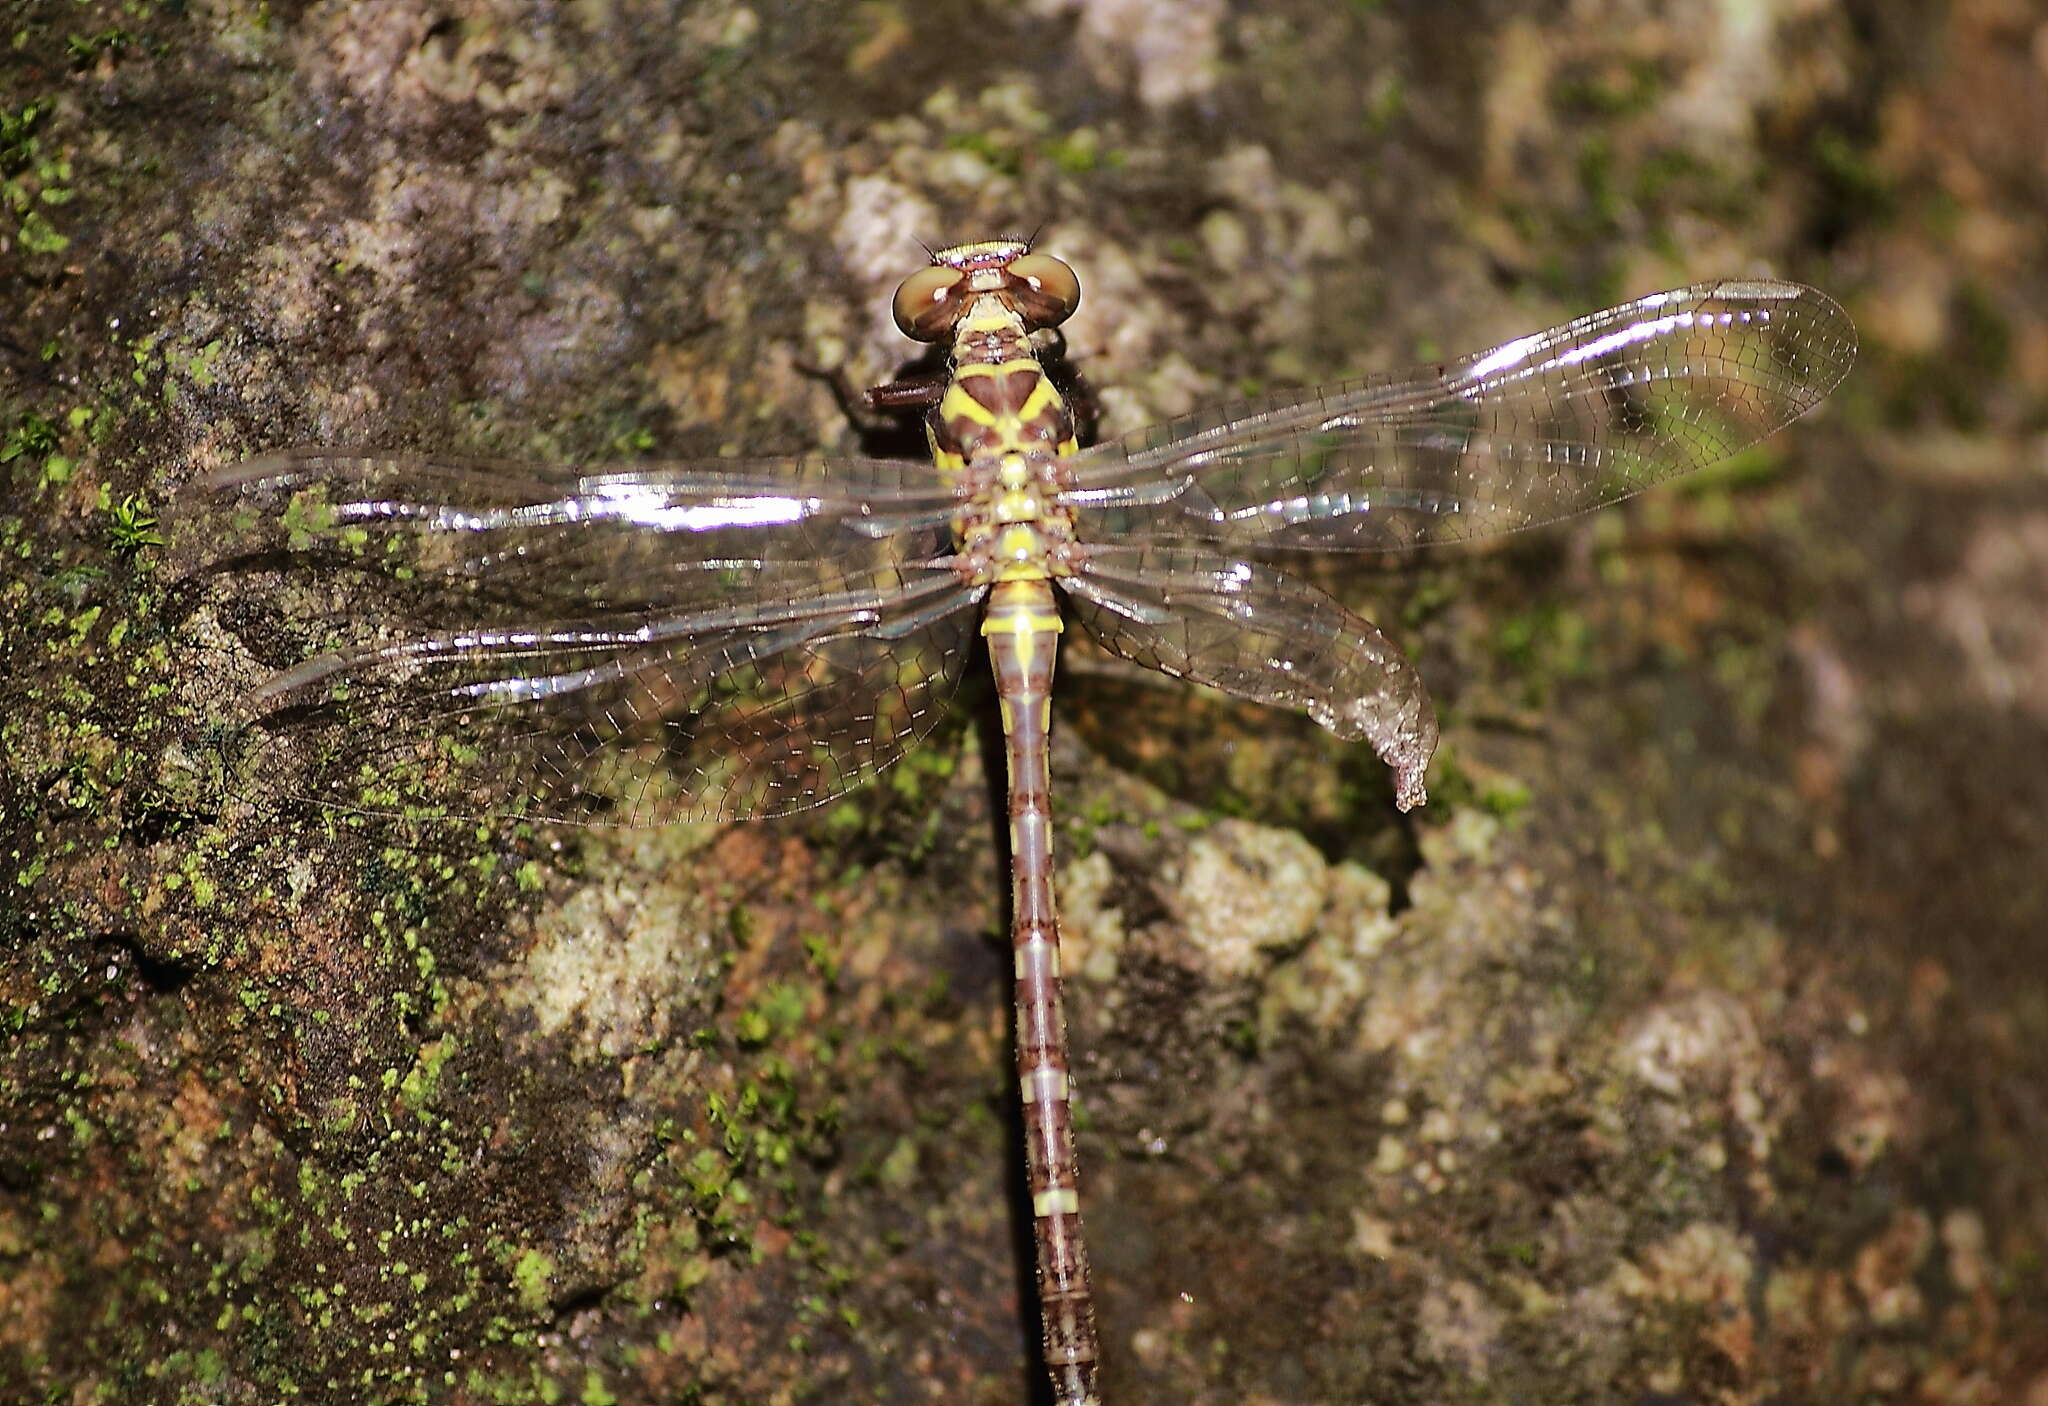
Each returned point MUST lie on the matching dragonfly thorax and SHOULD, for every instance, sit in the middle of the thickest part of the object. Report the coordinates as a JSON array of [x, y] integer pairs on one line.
[[1000, 400], [1012, 525], [1004, 429]]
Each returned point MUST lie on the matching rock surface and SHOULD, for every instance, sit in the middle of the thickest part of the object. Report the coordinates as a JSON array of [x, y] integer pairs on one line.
[[1687, 1048]]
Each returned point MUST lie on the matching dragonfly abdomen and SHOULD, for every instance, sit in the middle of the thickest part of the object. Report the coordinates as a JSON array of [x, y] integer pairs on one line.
[[1022, 626]]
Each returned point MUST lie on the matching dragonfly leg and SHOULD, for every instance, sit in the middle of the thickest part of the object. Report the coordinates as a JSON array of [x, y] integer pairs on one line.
[[878, 410], [920, 392]]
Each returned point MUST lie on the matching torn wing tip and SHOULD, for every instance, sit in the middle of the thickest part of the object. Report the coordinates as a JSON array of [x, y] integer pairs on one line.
[[1409, 791]]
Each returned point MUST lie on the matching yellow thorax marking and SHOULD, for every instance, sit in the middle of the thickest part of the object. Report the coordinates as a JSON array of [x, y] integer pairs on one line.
[[1043, 397], [1019, 553], [1044, 394], [997, 368], [1018, 500], [1018, 505], [959, 405]]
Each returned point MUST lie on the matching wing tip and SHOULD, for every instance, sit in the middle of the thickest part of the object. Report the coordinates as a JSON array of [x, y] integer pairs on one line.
[[1409, 790], [245, 473]]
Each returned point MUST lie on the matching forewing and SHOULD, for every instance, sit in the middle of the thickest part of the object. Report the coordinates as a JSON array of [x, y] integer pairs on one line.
[[1247, 629], [1534, 430], [620, 537], [450, 638]]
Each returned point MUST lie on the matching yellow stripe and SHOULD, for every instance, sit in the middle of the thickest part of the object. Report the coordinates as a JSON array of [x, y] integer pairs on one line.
[[957, 404], [1052, 953], [1017, 505], [1022, 623], [1055, 1200], [996, 368], [1019, 540], [1048, 1083], [985, 314], [1043, 397]]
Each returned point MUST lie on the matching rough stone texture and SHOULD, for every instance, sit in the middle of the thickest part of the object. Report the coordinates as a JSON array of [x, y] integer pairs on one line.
[[1687, 1048]]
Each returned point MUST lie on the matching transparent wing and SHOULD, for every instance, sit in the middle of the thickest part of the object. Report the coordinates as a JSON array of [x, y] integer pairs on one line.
[[1254, 633], [1534, 430], [613, 538], [631, 647]]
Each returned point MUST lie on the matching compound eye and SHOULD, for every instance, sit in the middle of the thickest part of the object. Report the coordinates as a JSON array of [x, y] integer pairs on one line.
[[924, 303], [1050, 291]]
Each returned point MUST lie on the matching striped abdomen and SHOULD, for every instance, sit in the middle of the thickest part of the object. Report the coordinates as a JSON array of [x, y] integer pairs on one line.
[[1022, 627]]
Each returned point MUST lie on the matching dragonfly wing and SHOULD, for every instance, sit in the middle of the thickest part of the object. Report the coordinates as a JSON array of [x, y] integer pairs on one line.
[[1247, 629], [621, 537], [631, 648], [1534, 430]]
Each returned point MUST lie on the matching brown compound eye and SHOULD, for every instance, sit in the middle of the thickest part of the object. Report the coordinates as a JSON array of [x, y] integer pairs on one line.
[[1046, 290], [924, 305]]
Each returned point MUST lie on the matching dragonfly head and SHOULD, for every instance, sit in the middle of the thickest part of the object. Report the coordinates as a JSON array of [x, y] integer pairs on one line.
[[1040, 289]]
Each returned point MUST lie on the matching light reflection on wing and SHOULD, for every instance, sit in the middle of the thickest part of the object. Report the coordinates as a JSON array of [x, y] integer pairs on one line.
[[633, 646], [639, 536], [1537, 429], [1247, 629]]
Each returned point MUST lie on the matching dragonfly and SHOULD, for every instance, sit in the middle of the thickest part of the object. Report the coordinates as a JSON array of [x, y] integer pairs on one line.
[[645, 642]]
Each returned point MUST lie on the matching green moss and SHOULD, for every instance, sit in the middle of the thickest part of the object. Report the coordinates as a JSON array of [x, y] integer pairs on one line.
[[1458, 784], [533, 1273], [132, 525], [1610, 90], [18, 144], [1543, 644], [1855, 175], [32, 435], [1000, 155], [85, 50], [38, 236], [424, 1078]]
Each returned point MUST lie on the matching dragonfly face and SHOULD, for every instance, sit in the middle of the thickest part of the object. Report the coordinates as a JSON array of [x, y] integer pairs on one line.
[[646, 642], [1039, 290]]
